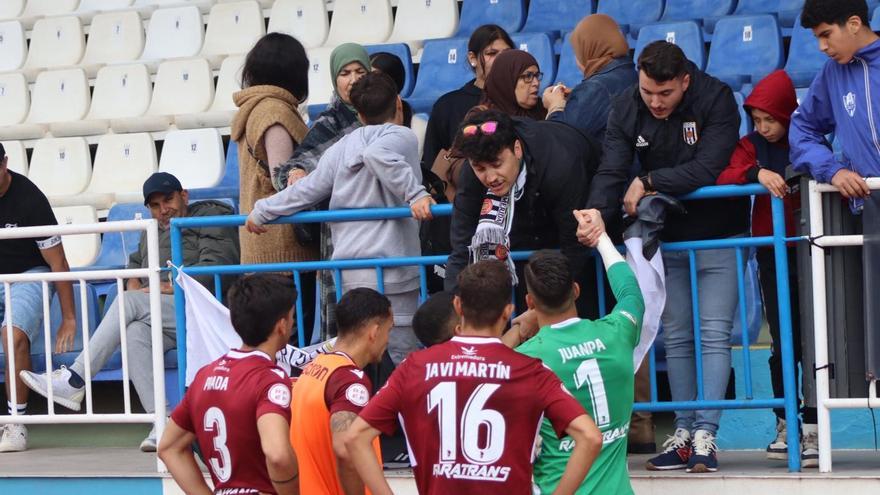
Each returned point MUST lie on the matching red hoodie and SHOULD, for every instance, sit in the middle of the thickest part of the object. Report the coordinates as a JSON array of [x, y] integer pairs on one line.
[[775, 95]]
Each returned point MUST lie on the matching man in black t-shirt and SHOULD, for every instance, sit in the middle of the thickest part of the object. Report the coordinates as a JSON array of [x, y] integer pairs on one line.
[[22, 204]]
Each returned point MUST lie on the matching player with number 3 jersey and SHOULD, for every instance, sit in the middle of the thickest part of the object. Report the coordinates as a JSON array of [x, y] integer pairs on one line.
[[471, 407], [238, 407]]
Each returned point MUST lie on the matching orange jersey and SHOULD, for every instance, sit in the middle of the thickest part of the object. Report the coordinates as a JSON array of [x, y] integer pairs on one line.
[[310, 432]]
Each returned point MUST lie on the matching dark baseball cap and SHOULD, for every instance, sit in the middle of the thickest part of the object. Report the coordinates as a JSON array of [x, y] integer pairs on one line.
[[161, 182]]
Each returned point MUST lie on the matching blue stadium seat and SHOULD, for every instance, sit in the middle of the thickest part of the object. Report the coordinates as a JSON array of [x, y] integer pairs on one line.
[[228, 186], [745, 49], [401, 50], [709, 11], [745, 122], [540, 46], [804, 58], [553, 15], [117, 246], [632, 14], [686, 34], [509, 14], [443, 68], [875, 19], [568, 72], [788, 12]]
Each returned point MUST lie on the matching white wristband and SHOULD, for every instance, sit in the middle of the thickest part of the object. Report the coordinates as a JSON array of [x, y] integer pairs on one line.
[[609, 253]]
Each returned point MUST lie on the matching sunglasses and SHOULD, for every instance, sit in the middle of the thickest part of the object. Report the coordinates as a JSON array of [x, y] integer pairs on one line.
[[486, 129], [528, 77]]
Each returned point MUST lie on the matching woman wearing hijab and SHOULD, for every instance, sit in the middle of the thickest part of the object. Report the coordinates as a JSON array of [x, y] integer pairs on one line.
[[513, 84], [602, 54]]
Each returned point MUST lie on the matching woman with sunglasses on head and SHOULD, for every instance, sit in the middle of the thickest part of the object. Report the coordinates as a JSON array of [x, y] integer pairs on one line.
[[513, 84]]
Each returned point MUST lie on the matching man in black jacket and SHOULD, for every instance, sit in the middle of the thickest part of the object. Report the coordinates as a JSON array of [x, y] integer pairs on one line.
[[524, 180], [681, 126]]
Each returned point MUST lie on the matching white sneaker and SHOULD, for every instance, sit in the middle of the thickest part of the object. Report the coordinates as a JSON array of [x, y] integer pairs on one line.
[[63, 392], [778, 448], [149, 443], [13, 438], [810, 446]]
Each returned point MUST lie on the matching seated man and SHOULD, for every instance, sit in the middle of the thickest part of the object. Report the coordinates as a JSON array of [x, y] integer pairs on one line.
[[205, 246], [22, 204]]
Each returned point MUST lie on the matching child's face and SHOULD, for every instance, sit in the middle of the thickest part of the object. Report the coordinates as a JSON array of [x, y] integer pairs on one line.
[[769, 128]]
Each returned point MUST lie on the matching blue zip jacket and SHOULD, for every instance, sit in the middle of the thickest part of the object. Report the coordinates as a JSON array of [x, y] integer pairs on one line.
[[844, 99]]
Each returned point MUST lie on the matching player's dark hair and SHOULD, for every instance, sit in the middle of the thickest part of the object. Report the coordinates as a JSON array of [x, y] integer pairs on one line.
[[359, 307], [549, 281], [435, 320], [374, 96], [485, 289], [833, 12], [663, 61], [481, 147], [257, 302], [484, 36]]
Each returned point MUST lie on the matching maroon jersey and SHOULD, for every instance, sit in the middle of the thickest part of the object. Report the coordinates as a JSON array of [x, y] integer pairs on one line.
[[222, 406], [471, 409]]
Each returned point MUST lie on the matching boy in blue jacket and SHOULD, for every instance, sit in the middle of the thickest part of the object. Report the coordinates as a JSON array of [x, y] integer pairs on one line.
[[841, 100]]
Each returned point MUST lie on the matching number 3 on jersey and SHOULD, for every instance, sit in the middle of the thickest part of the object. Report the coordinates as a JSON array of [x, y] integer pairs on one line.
[[474, 416], [589, 374], [215, 422]]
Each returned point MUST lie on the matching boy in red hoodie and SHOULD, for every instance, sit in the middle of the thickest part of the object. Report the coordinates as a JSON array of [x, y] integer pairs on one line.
[[762, 156]]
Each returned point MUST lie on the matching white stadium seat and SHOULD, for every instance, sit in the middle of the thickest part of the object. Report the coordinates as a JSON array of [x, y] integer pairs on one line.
[[146, 7], [182, 86], [114, 37], [266, 4], [61, 166], [233, 28], [419, 21], [173, 33], [103, 5], [14, 99], [121, 91], [222, 109], [305, 20], [320, 82], [58, 96], [13, 46], [82, 249], [194, 156], [11, 9], [36, 9], [16, 156], [55, 42], [367, 22]]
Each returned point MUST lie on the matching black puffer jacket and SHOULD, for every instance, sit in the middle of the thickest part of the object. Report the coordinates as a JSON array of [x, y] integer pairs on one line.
[[684, 152], [560, 161]]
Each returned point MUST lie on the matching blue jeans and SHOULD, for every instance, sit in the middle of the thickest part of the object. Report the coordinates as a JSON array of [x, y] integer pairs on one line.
[[717, 297], [27, 307]]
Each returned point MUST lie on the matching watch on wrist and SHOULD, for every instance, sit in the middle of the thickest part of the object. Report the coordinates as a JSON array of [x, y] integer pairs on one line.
[[646, 181]]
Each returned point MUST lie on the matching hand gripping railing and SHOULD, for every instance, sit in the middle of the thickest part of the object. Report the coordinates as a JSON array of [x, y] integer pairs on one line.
[[777, 241]]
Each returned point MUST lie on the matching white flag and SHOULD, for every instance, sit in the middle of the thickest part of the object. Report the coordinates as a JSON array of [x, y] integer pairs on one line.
[[652, 282]]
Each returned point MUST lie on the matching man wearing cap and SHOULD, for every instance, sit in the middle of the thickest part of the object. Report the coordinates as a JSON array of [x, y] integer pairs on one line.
[[166, 199], [22, 204]]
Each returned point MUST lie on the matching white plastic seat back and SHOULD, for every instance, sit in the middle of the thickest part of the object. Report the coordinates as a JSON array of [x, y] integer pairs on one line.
[[266, 4], [81, 249], [305, 20], [228, 83], [114, 37], [122, 164], [16, 156], [103, 5], [360, 21], [56, 42], [194, 156], [174, 33], [182, 86], [14, 98], [49, 7], [13, 46], [233, 28], [121, 91], [320, 81], [10, 9], [425, 20], [61, 166], [59, 96]]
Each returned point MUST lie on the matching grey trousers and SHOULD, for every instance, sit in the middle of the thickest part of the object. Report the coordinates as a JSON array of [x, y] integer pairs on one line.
[[106, 341], [402, 340]]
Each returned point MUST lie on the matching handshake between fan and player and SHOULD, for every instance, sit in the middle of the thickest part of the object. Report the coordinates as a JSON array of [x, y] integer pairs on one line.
[[590, 226]]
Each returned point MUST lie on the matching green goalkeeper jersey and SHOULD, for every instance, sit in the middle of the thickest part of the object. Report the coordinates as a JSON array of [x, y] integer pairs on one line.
[[594, 359]]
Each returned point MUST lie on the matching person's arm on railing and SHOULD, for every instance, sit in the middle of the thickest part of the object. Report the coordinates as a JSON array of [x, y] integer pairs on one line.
[[384, 158], [743, 169], [53, 253]]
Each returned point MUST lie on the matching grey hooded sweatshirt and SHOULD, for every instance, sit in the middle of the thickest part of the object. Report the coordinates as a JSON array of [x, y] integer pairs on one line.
[[372, 167]]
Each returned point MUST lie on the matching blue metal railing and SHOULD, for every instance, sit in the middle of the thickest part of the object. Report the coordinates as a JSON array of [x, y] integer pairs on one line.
[[777, 241]]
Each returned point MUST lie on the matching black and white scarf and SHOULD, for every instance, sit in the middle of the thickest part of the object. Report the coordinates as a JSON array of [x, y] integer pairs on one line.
[[491, 240]]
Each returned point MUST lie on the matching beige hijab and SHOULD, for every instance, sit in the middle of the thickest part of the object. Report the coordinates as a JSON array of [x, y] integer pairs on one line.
[[596, 40]]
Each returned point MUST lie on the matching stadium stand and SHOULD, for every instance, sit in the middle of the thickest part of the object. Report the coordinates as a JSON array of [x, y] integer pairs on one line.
[[360, 21], [173, 33], [114, 38], [709, 11], [58, 96], [117, 246], [745, 49], [37, 9], [228, 186], [55, 42], [419, 21], [540, 46], [16, 156], [194, 156], [875, 19], [804, 58], [509, 14], [401, 51], [14, 99], [686, 34], [182, 87], [568, 72], [233, 28], [11, 9], [443, 67], [788, 12], [632, 14], [222, 108], [13, 46], [555, 16], [320, 85], [61, 166], [745, 121], [81, 249], [305, 20]]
